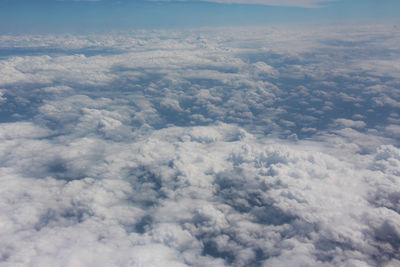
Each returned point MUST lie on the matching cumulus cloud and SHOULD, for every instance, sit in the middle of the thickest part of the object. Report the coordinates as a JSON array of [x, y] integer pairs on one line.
[[202, 148], [350, 123]]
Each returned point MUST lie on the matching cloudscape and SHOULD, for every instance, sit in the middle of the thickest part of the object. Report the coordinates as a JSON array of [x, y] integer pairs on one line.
[[271, 144]]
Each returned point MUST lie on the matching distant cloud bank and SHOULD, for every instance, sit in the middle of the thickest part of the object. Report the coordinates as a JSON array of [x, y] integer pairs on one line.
[[293, 3]]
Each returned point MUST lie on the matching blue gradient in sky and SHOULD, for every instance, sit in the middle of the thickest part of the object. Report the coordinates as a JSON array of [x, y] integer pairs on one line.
[[76, 16]]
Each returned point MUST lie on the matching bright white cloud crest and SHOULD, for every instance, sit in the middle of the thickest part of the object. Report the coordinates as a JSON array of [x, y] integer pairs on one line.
[[246, 147]]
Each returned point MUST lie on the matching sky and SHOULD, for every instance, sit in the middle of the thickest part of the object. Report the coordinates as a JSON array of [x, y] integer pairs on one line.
[[199, 133], [80, 16]]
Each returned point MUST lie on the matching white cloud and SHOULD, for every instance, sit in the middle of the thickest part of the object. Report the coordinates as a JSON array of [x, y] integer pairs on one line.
[[350, 123], [22, 130], [207, 148], [294, 3], [393, 129]]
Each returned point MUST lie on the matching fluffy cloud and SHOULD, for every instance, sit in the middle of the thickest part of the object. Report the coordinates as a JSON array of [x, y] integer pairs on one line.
[[247, 147]]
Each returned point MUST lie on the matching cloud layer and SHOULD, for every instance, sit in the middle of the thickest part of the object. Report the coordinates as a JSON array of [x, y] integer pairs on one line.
[[292, 3], [217, 147]]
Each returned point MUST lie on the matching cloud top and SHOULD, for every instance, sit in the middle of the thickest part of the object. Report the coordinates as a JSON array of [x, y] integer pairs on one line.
[[214, 147]]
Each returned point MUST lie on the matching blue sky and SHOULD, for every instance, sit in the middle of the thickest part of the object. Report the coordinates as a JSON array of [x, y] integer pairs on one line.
[[52, 15]]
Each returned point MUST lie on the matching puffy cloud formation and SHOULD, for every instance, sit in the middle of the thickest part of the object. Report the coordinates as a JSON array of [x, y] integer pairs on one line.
[[217, 147]]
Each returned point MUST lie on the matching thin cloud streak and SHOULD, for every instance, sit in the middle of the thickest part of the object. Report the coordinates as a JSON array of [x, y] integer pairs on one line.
[[288, 3]]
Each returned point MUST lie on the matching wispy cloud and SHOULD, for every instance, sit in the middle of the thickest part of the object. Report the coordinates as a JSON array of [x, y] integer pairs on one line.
[[292, 3]]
